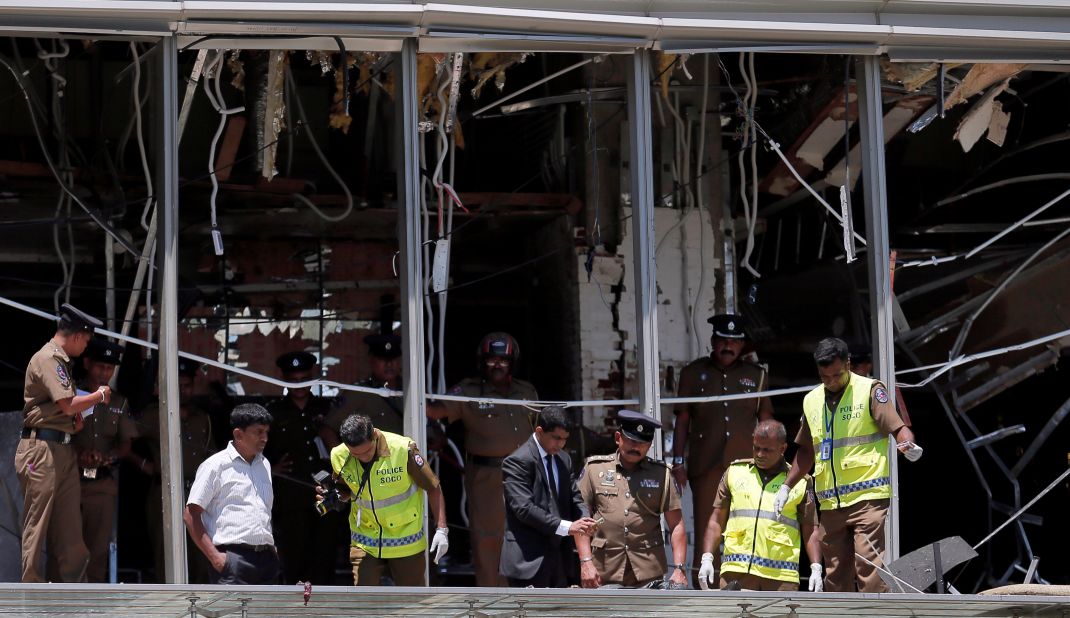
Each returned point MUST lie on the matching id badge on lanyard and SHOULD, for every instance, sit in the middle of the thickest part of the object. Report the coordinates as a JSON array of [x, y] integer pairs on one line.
[[826, 445]]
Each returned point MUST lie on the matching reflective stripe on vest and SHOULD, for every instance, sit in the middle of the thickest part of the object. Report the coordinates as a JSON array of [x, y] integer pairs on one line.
[[857, 469], [385, 502], [366, 541], [761, 562], [853, 487], [752, 513], [756, 541], [388, 506]]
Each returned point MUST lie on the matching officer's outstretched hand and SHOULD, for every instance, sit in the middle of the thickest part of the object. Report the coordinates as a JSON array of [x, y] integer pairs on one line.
[[816, 584], [781, 498], [440, 544], [706, 574]]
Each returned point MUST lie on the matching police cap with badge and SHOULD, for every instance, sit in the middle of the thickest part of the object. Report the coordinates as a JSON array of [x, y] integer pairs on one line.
[[637, 426], [104, 351], [295, 361], [74, 320], [728, 326], [386, 345]]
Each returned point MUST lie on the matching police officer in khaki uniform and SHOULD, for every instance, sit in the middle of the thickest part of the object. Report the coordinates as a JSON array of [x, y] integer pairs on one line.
[[630, 492], [492, 432], [104, 440], [304, 431], [716, 433], [386, 412], [45, 460], [197, 444]]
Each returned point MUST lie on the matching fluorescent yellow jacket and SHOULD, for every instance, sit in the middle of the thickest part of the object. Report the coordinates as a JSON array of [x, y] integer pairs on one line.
[[756, 540], [387, 504], [857, 468]]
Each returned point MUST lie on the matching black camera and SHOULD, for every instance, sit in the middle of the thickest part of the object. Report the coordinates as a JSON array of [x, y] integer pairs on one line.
[[332, 497]]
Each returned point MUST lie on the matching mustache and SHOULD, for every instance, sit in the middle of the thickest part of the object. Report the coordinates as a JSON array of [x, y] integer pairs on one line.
[[634, 452]]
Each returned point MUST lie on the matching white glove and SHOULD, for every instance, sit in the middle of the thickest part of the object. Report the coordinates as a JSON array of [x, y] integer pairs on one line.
[[816, 585], [781, 498], [440, 544], [913, 452], [706, 574]]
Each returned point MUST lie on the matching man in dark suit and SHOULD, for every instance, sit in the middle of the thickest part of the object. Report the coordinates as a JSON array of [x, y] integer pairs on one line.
[[542, 507]]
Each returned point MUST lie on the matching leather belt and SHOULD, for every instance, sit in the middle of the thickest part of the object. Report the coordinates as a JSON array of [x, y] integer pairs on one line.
[[236, 547], [52, 435], [490, 462]]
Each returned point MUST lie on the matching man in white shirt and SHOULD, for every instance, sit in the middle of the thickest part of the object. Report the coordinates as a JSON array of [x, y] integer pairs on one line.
[[228, 513], [542, 507]]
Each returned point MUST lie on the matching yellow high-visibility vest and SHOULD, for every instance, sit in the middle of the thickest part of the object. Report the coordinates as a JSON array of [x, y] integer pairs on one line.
[[757, 540], [856, 468], [387, 502]]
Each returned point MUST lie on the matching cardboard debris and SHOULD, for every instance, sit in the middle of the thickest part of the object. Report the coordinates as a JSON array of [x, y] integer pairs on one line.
[[997, 127], [913, 75], [980, 77], [976, 121]]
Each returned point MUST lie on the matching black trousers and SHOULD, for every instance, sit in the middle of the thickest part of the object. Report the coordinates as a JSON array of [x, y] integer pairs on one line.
[[552, 572], [247, 566]]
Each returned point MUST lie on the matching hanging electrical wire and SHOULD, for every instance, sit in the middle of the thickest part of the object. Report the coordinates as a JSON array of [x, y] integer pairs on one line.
[[296, 97], [214, 75], [136, 96]]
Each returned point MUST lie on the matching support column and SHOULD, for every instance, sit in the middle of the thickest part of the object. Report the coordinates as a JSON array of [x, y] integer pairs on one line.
[[874, 183], [409, 220], [174, 533], [642, 171]]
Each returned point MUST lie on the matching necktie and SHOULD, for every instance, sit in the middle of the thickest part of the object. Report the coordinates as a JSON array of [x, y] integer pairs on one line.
[[550, 478]]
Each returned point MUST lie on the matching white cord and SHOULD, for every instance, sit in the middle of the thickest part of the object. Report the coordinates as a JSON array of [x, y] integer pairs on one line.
[[141, 138], [214, 71], [323, 159], [750, 206], [699, 173]]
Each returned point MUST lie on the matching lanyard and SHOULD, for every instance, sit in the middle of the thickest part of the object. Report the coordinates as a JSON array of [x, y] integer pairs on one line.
[[829, 418]]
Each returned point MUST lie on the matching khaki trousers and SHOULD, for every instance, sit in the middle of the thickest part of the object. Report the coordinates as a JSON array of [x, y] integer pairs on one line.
[[703, 492], [51, 499], [749, 581], [98, 515], [486, 521], [856, 528], [405, 571]]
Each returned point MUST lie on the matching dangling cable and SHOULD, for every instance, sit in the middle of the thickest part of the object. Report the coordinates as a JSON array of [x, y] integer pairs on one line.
[[323, 159], [214, 73], [750, 205], [149, 197], [700, 173]]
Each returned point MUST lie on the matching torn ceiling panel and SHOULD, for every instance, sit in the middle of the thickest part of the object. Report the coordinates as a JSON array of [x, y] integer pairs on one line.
[[896, 119], [814, 143], [980, 78]]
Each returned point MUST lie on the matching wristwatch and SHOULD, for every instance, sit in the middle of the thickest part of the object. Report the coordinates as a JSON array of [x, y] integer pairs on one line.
[[678, 460], [680, 567]]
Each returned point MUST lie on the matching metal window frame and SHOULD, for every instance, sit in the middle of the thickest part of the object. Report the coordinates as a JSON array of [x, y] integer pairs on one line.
[[643, 261]]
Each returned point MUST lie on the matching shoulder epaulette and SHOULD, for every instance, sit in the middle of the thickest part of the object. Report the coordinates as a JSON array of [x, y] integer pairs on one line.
[[746, 460]]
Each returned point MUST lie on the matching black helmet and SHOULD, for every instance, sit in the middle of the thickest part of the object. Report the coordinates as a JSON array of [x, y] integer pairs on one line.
[[499, 344]]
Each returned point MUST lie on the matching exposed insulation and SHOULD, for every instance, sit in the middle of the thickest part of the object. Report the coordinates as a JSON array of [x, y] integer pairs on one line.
[[980, 77], [487, 65], [340, 118]]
